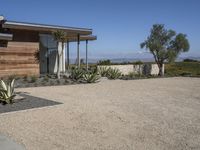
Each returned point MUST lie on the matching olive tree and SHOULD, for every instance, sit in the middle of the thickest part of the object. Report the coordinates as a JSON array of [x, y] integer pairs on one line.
[[165, 45]]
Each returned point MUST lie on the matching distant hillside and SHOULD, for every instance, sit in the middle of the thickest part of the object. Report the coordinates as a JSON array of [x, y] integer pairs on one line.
[[121, 60]]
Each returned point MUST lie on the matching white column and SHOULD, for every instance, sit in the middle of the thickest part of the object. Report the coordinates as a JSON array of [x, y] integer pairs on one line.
[[67, 55], [78, 51], [86, 55], [63, 59], [60, 54]]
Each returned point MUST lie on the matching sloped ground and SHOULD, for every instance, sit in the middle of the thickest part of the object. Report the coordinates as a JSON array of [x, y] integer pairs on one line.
[[153, 114]]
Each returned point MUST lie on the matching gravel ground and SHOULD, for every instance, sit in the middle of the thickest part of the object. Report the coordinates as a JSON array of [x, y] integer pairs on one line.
[[149, 114]]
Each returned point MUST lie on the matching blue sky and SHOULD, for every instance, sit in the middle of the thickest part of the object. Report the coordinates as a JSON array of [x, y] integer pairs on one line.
[[121, 25]]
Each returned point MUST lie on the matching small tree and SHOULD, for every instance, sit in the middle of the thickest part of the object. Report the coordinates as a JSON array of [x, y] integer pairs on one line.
[[165, 45], [59, 36]]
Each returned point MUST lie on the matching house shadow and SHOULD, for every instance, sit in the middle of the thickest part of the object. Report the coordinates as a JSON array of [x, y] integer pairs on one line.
[[27, 102]]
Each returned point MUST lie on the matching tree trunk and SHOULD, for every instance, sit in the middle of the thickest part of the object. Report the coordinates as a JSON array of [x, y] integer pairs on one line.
[[161, 69]]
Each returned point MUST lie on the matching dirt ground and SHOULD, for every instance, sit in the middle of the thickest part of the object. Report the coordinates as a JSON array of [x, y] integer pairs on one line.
[[149, 114]]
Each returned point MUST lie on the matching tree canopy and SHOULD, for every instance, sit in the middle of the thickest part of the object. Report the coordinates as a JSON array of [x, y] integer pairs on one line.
[[165, 45]]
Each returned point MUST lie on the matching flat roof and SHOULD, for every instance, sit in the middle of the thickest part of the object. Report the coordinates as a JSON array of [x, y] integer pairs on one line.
[[82, 38], [45, 27]]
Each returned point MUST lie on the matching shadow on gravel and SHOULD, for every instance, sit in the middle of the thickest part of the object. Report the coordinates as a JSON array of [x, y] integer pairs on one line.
[[27, 102]]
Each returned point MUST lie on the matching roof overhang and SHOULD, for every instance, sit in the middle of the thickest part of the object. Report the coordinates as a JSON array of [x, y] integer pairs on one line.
[[45, 28], [6, 36], [82, 38]]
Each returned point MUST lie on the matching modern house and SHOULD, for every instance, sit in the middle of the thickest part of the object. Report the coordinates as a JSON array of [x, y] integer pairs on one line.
[[21, 43]]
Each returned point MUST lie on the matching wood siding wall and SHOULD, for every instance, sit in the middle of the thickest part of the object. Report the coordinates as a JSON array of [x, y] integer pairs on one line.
[[18, 58]]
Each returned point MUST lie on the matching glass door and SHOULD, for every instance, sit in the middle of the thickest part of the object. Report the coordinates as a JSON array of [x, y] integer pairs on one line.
[[48, 53]]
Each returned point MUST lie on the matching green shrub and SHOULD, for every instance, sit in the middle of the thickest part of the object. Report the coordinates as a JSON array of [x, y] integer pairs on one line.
[[58, 81], [51, 83], [11, 77], [114, 73], [25, 78], [190, 60], [91, 77], [104, 62], [131, 75], [138, 63], [46, 79], [186, 74], [7, 92], [33, 79]]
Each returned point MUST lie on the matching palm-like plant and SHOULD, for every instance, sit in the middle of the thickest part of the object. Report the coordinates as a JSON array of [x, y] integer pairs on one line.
[[59, 36], [7, 92]]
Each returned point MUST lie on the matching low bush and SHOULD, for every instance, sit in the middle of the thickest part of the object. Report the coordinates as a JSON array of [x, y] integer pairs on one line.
[[33, 79], [186, 74], [131, 75], [190, 60], [46, 79], [104, 62], [138, 63]]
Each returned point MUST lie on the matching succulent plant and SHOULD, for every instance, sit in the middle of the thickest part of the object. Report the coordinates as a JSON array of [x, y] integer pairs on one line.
[[103, 71], [77, 74], [91, 77], [114, 73], [7, 92]]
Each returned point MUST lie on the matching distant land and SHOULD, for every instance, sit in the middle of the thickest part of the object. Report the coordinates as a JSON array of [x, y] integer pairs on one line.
[[121, 60]]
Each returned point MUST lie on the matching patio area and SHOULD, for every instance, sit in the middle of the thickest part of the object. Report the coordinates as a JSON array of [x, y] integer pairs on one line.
[[153, 114]]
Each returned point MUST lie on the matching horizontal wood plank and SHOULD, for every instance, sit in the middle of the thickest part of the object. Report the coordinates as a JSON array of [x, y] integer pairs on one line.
[[19, 59]]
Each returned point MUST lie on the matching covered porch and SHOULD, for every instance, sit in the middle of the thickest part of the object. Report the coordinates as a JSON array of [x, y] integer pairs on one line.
[[48, 52]]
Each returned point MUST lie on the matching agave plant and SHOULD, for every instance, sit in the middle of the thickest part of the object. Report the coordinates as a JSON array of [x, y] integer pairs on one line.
[[114, 73], [91, 77], [7, 92], [103, 71], [77, 74]]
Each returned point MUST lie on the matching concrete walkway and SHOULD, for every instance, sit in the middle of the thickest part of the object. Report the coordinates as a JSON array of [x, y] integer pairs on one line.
[[8, 144]]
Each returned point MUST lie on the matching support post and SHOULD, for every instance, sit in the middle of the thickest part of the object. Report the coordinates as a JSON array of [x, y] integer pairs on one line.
[[86, 55], [78, 51], [63, 58], [67, 54]]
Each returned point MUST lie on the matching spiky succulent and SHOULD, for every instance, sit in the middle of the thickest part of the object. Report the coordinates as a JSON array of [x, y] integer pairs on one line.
[[7, 92], [77, 74], [91, 77], [103, 71], [114, 73]]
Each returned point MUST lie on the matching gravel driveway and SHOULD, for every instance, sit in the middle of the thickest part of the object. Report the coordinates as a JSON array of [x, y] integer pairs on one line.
[[149, 114]]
